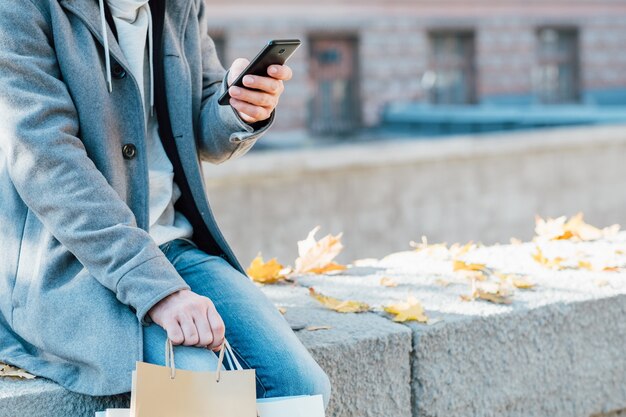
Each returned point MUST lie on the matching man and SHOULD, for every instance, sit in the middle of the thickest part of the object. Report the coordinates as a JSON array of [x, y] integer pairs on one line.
[[107, 240]]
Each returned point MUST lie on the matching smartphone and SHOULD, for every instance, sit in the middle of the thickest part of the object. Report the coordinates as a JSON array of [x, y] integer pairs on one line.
[[276, 52]]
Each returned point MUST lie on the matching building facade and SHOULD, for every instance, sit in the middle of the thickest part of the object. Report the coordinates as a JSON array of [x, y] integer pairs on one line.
[[358, 56]]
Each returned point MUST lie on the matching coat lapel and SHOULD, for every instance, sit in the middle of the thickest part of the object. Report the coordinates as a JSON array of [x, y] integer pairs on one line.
[[88, 11]]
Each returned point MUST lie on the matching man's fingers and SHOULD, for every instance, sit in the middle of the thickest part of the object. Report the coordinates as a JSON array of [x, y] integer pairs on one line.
[[267, 84], [174, 332], [203, 326], [237, 68], [190, 332], [217, 327], [280, 72], [249, 112], [258, 98]]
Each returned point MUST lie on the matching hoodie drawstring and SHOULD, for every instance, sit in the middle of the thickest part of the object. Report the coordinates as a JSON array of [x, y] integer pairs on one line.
[[107, 58], [105, 37]]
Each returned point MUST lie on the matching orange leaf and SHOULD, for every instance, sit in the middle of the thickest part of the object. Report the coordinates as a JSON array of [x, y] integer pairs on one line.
[[265, 272], [554, 263], [409, 310], [331, 267]]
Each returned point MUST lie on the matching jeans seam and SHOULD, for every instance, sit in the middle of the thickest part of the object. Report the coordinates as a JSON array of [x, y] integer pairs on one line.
[[166, 248]]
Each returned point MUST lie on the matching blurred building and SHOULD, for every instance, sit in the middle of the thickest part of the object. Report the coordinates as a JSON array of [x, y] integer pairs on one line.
[[358, 56]]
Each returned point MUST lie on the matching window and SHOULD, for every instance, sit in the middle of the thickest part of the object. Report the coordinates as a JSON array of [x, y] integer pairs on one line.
[[335, 106], [557, 74], [451, 78]]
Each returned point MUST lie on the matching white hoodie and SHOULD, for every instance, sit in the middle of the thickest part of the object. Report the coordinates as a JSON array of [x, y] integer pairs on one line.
[[133, 22]]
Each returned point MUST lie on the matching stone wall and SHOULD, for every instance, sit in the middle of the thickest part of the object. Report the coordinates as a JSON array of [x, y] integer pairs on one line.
[[383, 195]]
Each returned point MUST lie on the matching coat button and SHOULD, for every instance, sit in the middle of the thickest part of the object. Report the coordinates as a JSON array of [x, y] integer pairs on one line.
[[118, 72], [129, 151]]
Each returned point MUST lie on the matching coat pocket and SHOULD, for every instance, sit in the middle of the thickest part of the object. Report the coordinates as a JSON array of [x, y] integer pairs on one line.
[[27, 262]]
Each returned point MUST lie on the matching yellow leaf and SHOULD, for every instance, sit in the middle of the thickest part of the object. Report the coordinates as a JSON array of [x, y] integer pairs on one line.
[[435, 249], [522, 283], [457, 250], [314, 328], [317, 255], [470, 270], [265, 272], [409, 310], [494, 297], [282, 310], [601, 268], [554, 263], [516, 280], [388, 282], [574, 228], [331, 267], [463, 266], [494, 292], [8, 370], [340, 306]]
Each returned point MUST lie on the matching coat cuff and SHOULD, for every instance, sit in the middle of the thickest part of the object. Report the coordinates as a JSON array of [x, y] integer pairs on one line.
[[147, 284], [241, 131]]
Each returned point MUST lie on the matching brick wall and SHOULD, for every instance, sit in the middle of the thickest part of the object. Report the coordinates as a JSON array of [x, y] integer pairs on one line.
[[393, 43]]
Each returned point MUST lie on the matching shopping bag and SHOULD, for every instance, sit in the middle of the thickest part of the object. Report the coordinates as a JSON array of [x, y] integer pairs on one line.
[[164, 391], [296, 406]]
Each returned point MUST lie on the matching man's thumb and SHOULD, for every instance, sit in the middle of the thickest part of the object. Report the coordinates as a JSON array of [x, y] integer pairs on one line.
[[237, 68]]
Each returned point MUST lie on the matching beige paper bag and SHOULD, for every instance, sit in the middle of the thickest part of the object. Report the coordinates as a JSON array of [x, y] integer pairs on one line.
[[164, 391]]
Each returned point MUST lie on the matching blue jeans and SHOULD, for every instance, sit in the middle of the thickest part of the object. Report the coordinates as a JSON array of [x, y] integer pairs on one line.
[[260, 336]]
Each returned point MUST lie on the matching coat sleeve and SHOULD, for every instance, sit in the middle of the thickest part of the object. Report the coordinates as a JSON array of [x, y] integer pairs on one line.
[[223, 134], [51, 171]]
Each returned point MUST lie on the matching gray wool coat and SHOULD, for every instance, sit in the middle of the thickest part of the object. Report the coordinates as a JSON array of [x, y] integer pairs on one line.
[[78, 270]]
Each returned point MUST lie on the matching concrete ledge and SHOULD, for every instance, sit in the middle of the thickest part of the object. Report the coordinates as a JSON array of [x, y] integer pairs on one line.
[[556, 350], [361, 354]]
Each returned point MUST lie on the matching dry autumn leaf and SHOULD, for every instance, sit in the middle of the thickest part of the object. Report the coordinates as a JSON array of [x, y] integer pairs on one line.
[[554, 263], [497, 293], [597, 267], [575, 228], [388, 282], [464, 266], [471, 270], [8, 370], [437, 250], [409, 310], [348, 306], [516, 280], [315, 328], [317, 256], [457, 250], [265, 272]]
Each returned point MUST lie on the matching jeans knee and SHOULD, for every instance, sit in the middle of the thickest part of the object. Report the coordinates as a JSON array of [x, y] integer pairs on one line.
[[301, 379]]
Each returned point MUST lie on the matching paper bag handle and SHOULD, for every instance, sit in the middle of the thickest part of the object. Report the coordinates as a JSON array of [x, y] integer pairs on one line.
[[225, 350]]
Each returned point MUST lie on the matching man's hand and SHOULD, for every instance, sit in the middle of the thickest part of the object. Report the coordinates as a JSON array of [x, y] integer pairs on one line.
[[189, 319], [255, 106]]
